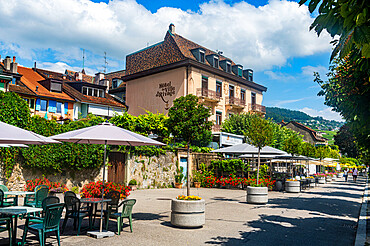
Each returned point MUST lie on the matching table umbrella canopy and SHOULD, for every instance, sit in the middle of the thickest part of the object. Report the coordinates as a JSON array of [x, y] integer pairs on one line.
[[13, 145], [255, 156], [105, 133], [249, 149], [10, 134], [290, 157]]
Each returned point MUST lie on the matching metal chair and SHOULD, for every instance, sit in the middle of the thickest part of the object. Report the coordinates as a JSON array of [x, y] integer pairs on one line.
[[6, 223], [8, 201], [49, 223], [30, 200], [127, 206], [73, 210]]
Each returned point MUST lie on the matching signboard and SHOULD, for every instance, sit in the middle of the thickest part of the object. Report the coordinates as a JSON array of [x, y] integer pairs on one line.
[[165, 90], [230, 139]]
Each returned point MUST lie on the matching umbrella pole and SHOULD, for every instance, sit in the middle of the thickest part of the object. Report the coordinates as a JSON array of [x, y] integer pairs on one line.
[[102, 192]]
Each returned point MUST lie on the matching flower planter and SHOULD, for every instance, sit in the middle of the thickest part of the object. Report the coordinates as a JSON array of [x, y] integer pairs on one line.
[[188, 213], [257, 195], [321, 180], [197, 184], [292, 186], [328, 179], [178, 185], [340, 175]]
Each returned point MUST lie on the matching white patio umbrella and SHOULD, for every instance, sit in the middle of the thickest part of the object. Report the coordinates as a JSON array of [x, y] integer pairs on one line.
[[10, 135], [105, 133], [13, 145], [246, 148]]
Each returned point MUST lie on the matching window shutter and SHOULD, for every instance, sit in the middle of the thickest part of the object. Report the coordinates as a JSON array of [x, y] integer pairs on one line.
[[66, 108], [52, 106]]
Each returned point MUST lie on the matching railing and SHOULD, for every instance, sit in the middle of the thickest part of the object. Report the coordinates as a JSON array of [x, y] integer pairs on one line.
[[257, 108], [235, 101], [208, 94], [216, 128]]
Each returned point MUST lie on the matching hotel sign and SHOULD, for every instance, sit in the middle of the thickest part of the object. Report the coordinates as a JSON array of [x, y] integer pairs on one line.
[[164, 91]]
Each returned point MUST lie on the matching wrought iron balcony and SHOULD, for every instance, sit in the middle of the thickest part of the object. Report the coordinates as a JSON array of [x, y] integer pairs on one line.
[[208, 95], [257, 108], [235, 102]]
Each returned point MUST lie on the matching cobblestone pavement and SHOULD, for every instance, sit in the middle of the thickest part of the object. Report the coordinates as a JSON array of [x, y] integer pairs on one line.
[[324, 215]]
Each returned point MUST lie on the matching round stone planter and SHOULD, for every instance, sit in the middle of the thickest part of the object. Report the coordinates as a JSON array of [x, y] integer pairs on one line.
[[328, 179], [257, 195], [292, 186], [321, 180], [188, 214], [340, 175]]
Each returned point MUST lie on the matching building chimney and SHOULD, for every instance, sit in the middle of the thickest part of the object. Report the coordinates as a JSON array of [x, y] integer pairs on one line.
[[98, 76], [34, 65], [13, 66], [37, 88], [172, 28], [7, 62]]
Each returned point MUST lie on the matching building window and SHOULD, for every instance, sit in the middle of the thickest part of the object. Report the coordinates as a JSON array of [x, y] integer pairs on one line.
[[59, 107], [240, 72], [101, 93], [215, 61], [95, 92], [231, 91], [84, 90], [218, 118], [228, 67], [89, 91], [253, 96], [116, 83], [242, 95], [204, 82], [218, 88], [201, 56], [30, 102], [43, 105]]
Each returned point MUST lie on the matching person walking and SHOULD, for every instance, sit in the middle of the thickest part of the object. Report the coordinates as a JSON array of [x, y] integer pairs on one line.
[[345, 174], [355, 173]]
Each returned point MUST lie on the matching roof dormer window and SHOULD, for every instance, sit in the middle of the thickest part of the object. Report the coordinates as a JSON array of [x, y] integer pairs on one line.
[[215, 61], [228, 67], [199, 54], [202, 56], [95, 92]]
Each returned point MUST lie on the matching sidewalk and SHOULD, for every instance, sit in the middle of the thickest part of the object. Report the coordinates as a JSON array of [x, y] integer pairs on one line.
[[325, 215]]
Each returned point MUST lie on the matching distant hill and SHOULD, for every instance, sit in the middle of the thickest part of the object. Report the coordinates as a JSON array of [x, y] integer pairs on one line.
[[316, 123]]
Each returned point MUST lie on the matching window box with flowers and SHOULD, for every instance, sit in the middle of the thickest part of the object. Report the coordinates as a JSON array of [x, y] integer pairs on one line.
[[188, 212]]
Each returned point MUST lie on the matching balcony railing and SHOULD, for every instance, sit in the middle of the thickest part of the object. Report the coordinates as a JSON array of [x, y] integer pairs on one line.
[[233, 101], [208, 95], [257, 108]]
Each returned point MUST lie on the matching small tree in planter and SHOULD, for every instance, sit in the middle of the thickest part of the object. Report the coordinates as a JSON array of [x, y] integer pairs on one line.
[[259, 133], [188, 120], [179, 177]]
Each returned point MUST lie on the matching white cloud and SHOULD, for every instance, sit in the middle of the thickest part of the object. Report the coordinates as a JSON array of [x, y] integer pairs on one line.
[[259, 38], [309, 70], [283, 102], [61, 67], [326, 113]]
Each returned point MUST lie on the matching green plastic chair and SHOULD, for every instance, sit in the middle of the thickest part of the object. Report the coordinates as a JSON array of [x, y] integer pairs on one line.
[[40, 195], [29, 200], [47, 201], [126, 213], [73, 210], [5, 222], [47, 224], [8, 201]]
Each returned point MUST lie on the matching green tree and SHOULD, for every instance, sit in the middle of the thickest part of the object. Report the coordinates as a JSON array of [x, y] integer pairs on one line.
[[308, 149], [187, 119], [293, 145], [260, 133], [237, 123], [346, 142], [14, 110]]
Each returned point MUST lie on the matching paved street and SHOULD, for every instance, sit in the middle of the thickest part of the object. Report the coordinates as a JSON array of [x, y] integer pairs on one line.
[[325, 215]]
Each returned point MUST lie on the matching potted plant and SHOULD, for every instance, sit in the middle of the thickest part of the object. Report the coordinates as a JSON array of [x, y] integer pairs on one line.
[[197, 178], [132, 184], [188, 211], [179, 177], [320, 178], [257, 192], [292, 186]]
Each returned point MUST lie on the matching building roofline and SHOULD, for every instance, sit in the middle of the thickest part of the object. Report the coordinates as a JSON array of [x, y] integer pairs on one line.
[[190, 62], [150, 46]]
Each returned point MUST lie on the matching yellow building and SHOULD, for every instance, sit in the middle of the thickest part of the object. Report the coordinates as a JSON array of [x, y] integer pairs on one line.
[[175, 67]]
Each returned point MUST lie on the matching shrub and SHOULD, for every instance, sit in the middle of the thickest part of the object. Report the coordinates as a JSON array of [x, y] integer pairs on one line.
[[132, 182], [93, 189], [53, 186]]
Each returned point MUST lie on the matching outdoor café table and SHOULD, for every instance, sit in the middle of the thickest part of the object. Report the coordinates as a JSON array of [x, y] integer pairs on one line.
[[18, 193], [93, 205], [17, 211]]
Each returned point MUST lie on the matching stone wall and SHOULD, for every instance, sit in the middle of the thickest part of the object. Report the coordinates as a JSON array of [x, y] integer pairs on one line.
[[19, 176], [153, 172]]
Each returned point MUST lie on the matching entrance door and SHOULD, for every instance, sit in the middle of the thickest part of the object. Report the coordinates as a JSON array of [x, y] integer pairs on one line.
[[183, 163], [116, 170]]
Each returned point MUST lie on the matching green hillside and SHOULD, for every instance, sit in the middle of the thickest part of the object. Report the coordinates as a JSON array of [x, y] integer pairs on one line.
[[318, 123]]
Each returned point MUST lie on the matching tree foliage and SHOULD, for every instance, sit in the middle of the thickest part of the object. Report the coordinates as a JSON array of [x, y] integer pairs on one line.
[[293, 145], [14, 110], [350, 20], [188, 119], [346, 142]]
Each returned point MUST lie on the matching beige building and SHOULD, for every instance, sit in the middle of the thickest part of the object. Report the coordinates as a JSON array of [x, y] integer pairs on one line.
[[175, 67]]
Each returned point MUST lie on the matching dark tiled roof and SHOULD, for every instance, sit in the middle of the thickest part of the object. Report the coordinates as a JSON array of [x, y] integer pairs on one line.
[[107, 100], [113, 75], [86, 78], [21, 89], [312, 132]]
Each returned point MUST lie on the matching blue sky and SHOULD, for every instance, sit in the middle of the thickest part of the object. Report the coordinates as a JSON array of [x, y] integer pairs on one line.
[[271, 37]]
